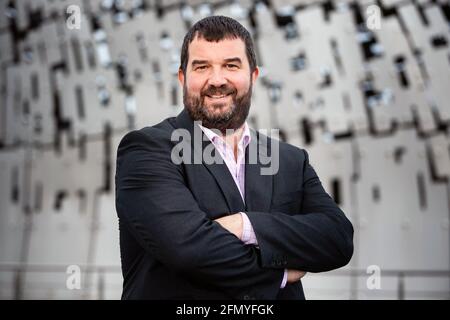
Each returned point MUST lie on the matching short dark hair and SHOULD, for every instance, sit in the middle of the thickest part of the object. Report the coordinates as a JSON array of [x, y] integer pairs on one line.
[[216, 28]]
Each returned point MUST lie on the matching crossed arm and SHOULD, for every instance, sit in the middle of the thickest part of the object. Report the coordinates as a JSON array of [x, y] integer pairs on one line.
[[234, 223], [155, 204], [161, 212]]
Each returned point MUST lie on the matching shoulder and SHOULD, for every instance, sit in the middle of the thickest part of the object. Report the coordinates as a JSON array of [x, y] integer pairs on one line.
[[158, 135], [287, 151]]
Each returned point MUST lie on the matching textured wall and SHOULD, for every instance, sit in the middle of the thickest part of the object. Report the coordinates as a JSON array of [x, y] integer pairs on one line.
[[367, 97]]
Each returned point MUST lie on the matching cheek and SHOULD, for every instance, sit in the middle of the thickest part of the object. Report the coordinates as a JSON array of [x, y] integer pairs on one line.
[[242, 86], [241, 82], [195, 86]]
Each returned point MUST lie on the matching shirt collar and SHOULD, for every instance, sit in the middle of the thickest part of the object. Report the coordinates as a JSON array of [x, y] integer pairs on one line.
[[214, 137]]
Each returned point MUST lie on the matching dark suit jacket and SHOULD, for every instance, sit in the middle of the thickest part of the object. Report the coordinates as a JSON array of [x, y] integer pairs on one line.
[[172, 249]]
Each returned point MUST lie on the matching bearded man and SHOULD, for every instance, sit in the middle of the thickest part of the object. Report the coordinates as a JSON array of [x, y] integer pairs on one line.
[[221, 229]]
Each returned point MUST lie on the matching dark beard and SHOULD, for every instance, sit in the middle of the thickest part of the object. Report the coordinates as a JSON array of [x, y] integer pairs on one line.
[[233, 118]]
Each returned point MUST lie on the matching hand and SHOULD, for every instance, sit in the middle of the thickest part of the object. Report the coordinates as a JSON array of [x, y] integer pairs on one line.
[[233, 223], [294, 275]]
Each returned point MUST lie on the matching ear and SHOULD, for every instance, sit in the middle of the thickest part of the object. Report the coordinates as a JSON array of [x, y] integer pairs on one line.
[[255, 74], [181, 76]]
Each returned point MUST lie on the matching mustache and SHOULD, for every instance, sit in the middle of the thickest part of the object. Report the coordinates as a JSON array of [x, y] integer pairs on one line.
[[224, 90]]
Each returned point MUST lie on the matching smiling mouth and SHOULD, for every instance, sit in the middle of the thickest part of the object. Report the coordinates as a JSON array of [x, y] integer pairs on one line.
[[218, 96]]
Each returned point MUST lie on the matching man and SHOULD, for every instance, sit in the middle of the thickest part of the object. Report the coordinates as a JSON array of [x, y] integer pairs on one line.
[[221, 230]]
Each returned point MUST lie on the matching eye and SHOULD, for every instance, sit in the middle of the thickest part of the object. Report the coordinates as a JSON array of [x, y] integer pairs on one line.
[[201, 68], [232, 66]]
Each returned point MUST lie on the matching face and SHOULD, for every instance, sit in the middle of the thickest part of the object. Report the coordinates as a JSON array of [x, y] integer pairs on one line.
[[217, 87]]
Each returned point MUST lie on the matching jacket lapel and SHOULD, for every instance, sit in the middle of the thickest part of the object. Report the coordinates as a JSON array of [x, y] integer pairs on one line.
[[258, 187], [219, 171]]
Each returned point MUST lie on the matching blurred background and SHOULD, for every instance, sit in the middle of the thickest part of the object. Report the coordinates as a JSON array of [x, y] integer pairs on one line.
[[364, 86]]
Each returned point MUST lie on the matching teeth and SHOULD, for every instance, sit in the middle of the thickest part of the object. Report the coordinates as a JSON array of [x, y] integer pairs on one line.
[[217, 97]]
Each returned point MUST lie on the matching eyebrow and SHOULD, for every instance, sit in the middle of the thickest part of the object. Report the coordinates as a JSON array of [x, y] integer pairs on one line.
[[234, 59], [195, 62]]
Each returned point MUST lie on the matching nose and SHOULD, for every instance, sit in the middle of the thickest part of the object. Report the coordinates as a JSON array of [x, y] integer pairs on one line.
[[217, 78]]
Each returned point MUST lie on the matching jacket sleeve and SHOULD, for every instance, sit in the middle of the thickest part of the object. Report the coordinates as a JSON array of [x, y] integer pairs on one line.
[[319, 238], [163, 216]]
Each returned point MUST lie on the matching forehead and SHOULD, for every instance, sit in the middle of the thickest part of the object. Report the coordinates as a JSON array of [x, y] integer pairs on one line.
[[201, 49]]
